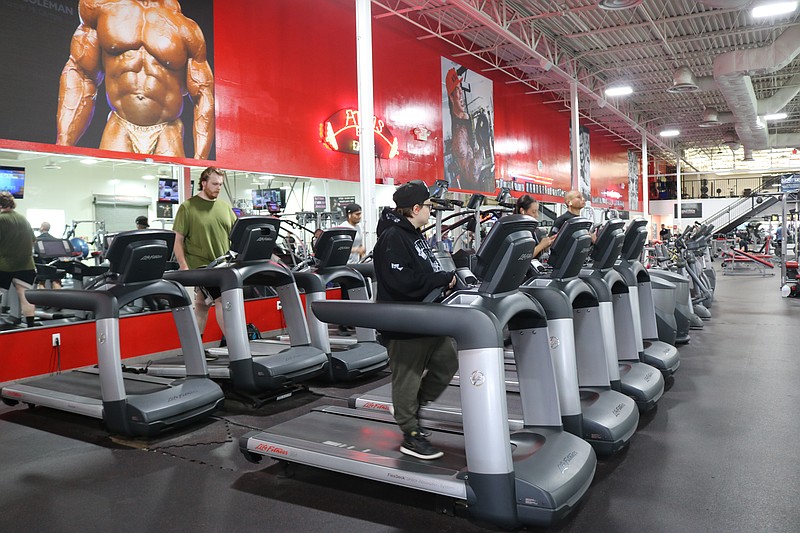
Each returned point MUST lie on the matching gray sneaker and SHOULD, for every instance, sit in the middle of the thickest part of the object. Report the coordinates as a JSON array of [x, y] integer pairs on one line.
[[416, 445]]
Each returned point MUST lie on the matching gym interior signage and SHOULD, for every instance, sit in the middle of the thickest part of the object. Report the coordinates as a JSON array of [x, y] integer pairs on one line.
[[690, 210], [341, 134]]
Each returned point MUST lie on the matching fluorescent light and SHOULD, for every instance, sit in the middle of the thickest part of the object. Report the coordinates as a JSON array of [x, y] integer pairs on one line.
[[621, 90], [775, 116], [670, 133], [774, 9], [89, 161], [148, 177]]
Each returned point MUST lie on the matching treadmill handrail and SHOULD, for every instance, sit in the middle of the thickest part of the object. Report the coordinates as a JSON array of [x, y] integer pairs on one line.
[[484, 330]]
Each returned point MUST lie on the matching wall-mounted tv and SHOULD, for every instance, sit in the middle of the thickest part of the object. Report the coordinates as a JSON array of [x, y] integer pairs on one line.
[[12, 179], [168, 191], [271, 199]]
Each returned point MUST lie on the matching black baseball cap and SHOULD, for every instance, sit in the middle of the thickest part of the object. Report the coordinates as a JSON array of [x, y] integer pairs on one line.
[[411, 193], [352, 208], [142, 221]]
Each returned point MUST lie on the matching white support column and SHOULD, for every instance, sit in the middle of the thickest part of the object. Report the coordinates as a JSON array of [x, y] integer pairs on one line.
[[575, 128], [680, 195], [366, 112], [646, 188]]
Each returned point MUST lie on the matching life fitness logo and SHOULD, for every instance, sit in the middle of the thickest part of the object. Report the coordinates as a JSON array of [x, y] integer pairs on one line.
[[271, 448], [375, 406]]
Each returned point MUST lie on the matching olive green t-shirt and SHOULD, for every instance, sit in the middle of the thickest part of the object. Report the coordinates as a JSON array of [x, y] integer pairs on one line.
[[16, 243], [206, 227]]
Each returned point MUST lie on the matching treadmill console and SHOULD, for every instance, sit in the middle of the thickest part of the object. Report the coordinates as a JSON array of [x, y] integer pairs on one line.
[[140, 255], [49, 249], [608, 245], [571, 248], [635, 238], [333, 247], [253, 237], [502, 261]]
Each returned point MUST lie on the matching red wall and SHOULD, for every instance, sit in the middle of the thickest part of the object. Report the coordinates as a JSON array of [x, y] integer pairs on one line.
[[29, 352], [284, 66]]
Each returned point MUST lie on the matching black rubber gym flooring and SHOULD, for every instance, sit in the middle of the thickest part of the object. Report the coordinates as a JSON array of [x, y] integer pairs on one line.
[[719, 454]]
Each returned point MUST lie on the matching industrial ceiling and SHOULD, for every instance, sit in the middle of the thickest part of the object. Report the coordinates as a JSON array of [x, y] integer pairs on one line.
[[707, 68]]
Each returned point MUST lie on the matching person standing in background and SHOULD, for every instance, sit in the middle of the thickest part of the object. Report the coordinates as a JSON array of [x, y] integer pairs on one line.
[[202, 233], [16, 254], [664, 234], [353, 213]]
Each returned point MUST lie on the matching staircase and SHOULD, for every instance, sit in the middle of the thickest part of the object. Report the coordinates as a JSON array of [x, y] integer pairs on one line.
[[744, 209]]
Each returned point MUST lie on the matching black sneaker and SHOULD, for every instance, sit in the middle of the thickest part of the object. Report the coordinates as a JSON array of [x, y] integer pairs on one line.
[[416, 445]]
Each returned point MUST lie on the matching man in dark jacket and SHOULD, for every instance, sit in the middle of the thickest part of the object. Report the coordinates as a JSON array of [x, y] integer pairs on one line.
[[407, 271]]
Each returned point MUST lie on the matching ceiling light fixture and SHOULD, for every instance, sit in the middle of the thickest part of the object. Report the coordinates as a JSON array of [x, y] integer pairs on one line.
[[89, 161], [148, 177], [683, 81], [775, 116], [710, 118], [620, 90], [670, 133], [613, 5], [774, 9]]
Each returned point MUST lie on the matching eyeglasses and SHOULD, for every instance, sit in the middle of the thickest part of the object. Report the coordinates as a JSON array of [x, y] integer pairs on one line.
[[429, 206]]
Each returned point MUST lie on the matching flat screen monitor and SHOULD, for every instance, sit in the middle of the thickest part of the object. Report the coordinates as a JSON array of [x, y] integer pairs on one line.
[[168, 191], [12, 179], [272, 199]]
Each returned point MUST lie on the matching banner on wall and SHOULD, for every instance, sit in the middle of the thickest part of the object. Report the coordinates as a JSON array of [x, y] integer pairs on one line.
[[633, 180], [139, 105], [584, 163], [468, 128]]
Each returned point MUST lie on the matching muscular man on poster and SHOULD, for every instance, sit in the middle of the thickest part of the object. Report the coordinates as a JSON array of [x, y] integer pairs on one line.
[[463, 146], [150, 56]]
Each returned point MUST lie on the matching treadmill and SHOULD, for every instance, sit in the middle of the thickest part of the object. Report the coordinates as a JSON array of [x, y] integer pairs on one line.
[[566, 311], [582, 346], [347, 360], [131, 405], [640, 381], [651, 351], [256, 370], [534, 476]]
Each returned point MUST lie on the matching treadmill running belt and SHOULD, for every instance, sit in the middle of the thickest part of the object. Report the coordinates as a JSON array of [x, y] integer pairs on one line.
[[88, 385]]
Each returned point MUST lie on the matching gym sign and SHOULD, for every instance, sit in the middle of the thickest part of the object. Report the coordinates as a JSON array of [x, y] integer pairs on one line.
[[340, 133]]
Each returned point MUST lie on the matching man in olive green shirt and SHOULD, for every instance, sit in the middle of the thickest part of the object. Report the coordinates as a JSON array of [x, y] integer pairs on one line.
[[203, 226], [16, 253]]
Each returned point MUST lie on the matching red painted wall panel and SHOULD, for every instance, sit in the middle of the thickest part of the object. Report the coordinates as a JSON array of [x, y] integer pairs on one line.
[[282, 67]]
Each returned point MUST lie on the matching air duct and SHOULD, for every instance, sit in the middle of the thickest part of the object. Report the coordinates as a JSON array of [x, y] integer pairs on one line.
[[725, 4], [782, 96], [732, 72]]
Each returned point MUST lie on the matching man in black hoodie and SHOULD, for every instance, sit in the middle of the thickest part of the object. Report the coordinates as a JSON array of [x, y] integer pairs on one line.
[[407, 271]]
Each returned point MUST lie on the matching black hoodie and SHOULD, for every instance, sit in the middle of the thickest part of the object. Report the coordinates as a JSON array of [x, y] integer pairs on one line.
[[405, 267]]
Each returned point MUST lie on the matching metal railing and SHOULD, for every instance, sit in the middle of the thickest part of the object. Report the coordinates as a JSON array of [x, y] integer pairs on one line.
[[740, 207]]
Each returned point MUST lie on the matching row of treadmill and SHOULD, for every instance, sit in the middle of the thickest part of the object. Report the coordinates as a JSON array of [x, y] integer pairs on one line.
[[554, 369]]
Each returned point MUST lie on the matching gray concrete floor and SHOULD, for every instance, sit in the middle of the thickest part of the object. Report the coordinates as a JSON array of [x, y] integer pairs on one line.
[[718, 454]]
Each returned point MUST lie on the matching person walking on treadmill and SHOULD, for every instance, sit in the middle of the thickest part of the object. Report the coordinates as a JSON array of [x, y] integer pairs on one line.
[[407, 271], [202, 228], [575, 202], [528, 205], [16, 254]]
